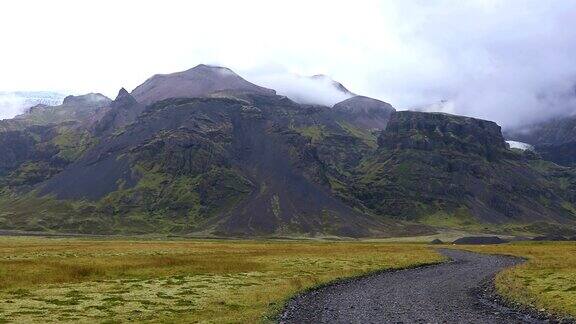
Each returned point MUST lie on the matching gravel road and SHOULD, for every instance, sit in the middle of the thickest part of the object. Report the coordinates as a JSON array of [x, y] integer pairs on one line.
[[445, 293]]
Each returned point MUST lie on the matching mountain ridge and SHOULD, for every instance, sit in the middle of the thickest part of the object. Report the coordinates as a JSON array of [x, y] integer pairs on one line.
[[236, 159]]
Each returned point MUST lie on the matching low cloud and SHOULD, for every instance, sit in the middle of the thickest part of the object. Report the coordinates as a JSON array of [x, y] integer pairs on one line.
[[510, 61], [507, 61], [319, 90], [11, 105], [16, 103]]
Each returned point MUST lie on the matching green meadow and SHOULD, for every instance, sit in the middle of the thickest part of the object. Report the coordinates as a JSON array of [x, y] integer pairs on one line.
[[230, 281], [546, 281], [109, 281]]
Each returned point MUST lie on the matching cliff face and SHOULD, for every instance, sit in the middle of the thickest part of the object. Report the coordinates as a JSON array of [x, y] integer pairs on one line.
[[458, 168], [436, 131]]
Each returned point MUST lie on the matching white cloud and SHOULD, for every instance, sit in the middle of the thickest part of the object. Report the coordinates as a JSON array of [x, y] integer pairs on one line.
[[11, 105], [490, 59]]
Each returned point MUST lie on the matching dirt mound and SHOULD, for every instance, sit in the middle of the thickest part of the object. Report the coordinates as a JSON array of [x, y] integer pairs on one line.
[[479, 240]]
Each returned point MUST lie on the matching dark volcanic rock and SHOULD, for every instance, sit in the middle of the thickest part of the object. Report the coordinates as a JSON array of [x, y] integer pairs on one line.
[[438, 131], [479, 240], [245, 171], [122, 111], [436, 241], [17, 147], [196, 82], [29, 156], [365, 112]]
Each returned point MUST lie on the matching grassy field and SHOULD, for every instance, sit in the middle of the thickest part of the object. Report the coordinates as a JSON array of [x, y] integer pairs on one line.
[[43, 280], [547, 281]]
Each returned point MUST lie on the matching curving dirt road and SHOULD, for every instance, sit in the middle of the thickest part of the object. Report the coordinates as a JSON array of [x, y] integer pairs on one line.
[[445, 293]]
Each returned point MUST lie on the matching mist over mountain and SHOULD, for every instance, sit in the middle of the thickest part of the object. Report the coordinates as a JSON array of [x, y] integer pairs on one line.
[[14, 103], [318, 89]]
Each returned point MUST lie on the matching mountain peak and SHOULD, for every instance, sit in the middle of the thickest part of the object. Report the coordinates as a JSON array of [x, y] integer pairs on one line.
[[365, 112], [198, 81], [208, 67], [123, 98], [90, 99], [123, 111], [363, 103], [122, 93], [334, 83]]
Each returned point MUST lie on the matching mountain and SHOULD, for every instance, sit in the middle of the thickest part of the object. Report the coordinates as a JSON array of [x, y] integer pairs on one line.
[[73, 109], [554, 140], [213, 164], [235, 159], [41, 142], [196, 82], [445, 170], [365, 112], [551, 132]]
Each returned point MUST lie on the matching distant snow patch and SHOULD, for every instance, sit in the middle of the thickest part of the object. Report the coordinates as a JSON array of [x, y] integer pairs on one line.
[[520, 145]]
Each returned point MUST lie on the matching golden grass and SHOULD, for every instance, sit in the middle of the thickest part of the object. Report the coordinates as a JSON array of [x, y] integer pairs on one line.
[[547, 281], [43, 280]]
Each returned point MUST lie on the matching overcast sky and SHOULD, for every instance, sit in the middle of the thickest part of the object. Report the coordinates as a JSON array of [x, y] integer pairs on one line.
[[508, 61]]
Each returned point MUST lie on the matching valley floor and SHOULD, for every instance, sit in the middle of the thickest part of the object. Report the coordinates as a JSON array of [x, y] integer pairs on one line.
[[82, 280], [88, 280]]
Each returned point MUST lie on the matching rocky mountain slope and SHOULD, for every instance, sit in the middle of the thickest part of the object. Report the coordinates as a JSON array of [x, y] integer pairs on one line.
[[229, 158], [554, 139], [432, 164]]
